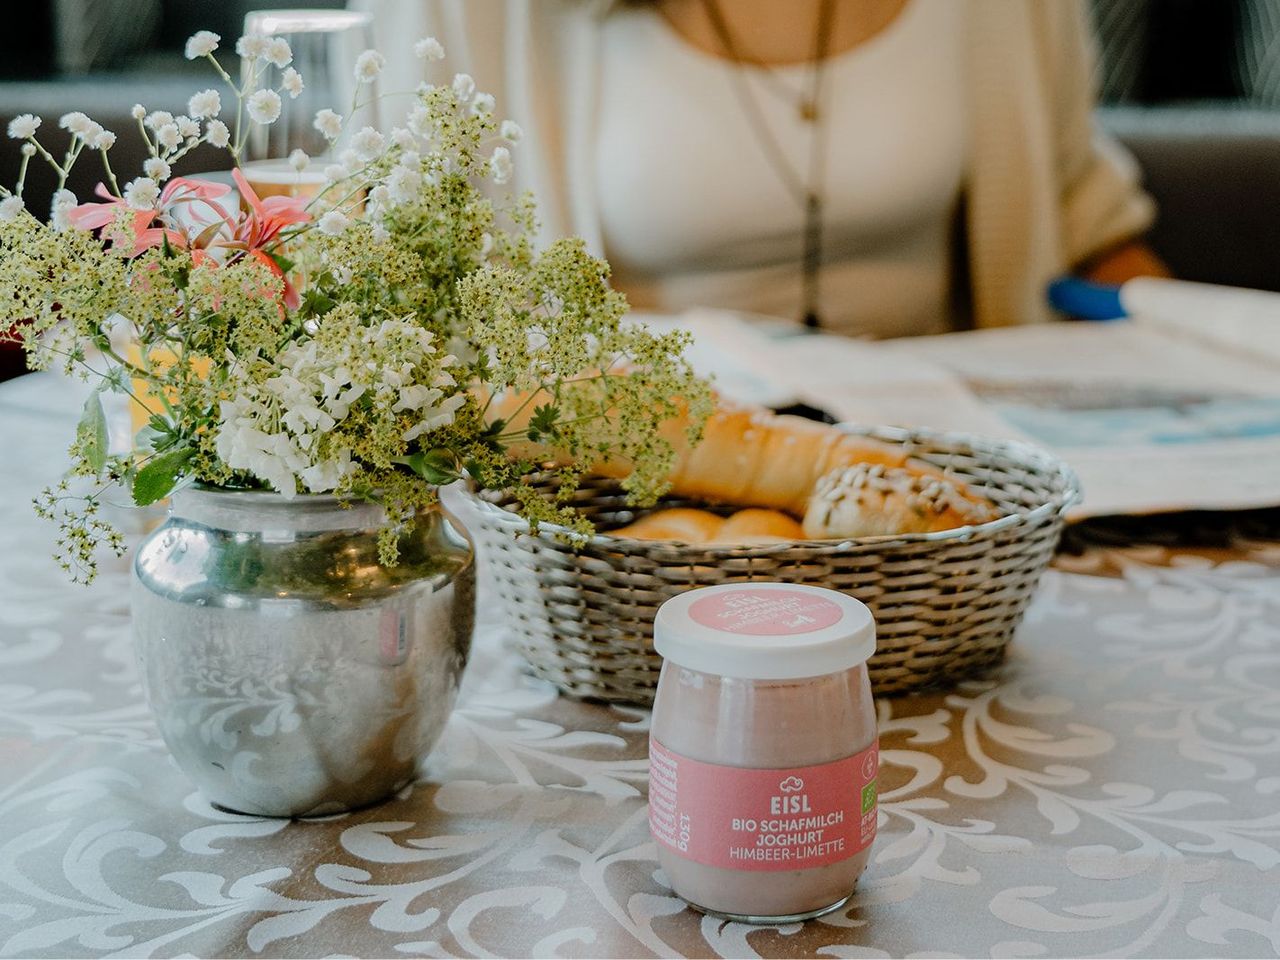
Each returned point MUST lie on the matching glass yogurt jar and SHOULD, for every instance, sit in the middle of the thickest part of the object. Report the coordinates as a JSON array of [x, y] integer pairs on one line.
[[763, 753]]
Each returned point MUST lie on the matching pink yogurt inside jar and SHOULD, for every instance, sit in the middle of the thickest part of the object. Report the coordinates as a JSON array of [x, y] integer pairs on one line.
[[763, 753]]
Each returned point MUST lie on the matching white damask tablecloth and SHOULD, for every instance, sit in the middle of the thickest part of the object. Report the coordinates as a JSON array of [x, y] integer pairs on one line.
[[1114, 791]]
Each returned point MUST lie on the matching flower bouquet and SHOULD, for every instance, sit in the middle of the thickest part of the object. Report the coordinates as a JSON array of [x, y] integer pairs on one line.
[[310, 371], [350, 343]]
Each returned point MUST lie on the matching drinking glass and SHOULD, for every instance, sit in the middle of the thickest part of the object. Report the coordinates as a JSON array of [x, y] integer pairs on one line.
[[325, 45]]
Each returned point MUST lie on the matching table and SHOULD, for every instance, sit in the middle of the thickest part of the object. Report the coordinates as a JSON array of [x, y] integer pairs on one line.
[[1115, 790]]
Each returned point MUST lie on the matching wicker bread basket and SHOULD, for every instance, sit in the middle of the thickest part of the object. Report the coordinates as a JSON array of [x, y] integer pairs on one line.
[[946, 604]]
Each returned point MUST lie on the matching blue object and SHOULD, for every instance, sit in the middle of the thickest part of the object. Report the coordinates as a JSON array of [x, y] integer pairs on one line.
[[1083, 300]]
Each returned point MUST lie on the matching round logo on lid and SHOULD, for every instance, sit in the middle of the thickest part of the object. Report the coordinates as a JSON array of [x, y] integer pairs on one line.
[[765, 613]]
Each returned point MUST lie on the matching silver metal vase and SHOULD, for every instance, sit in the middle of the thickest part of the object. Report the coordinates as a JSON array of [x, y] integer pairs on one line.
[[289, 671]]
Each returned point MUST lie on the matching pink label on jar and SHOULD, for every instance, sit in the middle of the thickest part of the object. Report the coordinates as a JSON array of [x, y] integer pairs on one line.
[[765, 613], [779, 819]]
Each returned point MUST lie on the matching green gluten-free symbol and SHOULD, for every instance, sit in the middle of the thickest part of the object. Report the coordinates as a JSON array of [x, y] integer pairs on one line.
[[868, 797]]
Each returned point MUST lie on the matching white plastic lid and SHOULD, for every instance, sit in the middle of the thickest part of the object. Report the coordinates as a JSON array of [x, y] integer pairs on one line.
[[765, 631]]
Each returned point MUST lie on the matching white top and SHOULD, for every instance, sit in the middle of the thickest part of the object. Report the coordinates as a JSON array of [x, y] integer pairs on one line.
[[693, 213], [765, 631]]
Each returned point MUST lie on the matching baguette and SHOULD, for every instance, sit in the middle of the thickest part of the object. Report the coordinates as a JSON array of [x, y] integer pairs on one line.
[[748, 456]]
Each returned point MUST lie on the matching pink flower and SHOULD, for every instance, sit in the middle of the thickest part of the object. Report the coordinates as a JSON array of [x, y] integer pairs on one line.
[[141, 228]]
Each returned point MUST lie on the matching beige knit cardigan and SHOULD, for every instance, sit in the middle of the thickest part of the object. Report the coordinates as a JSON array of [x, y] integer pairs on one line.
[[1045, 189]]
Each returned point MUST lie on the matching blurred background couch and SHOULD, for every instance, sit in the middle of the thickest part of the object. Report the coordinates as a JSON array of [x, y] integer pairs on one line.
[[1192, 87]]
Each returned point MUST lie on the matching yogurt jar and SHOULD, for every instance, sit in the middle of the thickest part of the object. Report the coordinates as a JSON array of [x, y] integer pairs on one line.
[[763, 754]]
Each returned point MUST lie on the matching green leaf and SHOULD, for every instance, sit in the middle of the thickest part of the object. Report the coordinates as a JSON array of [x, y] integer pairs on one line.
[[434, 466], [92, 432], [156, 480], [543, 422], [281, 261]]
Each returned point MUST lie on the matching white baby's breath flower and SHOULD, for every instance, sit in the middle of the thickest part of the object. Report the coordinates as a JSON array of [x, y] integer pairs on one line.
[[63, 202], [205, 104], [216, 134], [403, 139], [334, 223], [379, 233], [368, 144], [277, 52], [511, 131], [335, 172], [379, 195], [291, 82], [142, 193], [428, 48], [351, 161], [138, 111], [482, 105], [404, 183], [464, 87], [500, 164], [10, 208], [420, 121], [252, 45], [329, 124], [264, 106], [201, 44], [368, 65], [187, 127], [299, 160], [169, 136], [29, 150], [104, 141], [156, 169], [90, 132], [23, 126], [74, 121]]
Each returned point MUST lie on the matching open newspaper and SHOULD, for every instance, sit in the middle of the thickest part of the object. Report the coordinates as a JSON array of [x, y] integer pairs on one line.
[[1151, 417]]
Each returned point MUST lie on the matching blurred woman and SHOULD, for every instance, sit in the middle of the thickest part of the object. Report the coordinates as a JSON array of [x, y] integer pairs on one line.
[[869, 167]]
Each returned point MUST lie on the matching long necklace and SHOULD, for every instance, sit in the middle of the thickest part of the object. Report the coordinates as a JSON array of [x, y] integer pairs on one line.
[[808, 192]]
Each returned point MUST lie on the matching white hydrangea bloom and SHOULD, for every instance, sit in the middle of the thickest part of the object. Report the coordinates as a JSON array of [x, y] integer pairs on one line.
[[252, 46], [291, 83], [464, 87], [264, 106], [205, 104], [216, 134], [299, 160], [511, 131], [156, 169], [169, 136], [201, 44], [368, 144], [158, 119], [334, 223], [329, 124], [483, 104], [275, 428], [10, 208], [187, 127], [24, 125], [277, 52], [428, 48], [369, 65], [142, 193], [63, 202], [104, 141], [500, 165]]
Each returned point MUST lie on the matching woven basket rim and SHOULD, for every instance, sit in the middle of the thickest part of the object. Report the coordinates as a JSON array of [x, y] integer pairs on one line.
[[1019, 451]]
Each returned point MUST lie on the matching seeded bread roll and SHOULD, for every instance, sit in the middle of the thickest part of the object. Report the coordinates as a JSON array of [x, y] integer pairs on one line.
[[868, 500]]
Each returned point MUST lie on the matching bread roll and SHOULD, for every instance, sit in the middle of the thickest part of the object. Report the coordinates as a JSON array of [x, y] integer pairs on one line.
[[868, 500], [677, 523], [756, 525]]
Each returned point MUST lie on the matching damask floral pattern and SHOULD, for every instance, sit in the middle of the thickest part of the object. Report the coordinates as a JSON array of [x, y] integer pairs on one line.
[[1115, 790]]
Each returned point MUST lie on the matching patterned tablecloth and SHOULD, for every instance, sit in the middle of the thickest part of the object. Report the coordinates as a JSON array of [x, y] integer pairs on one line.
[[1114, 791]]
